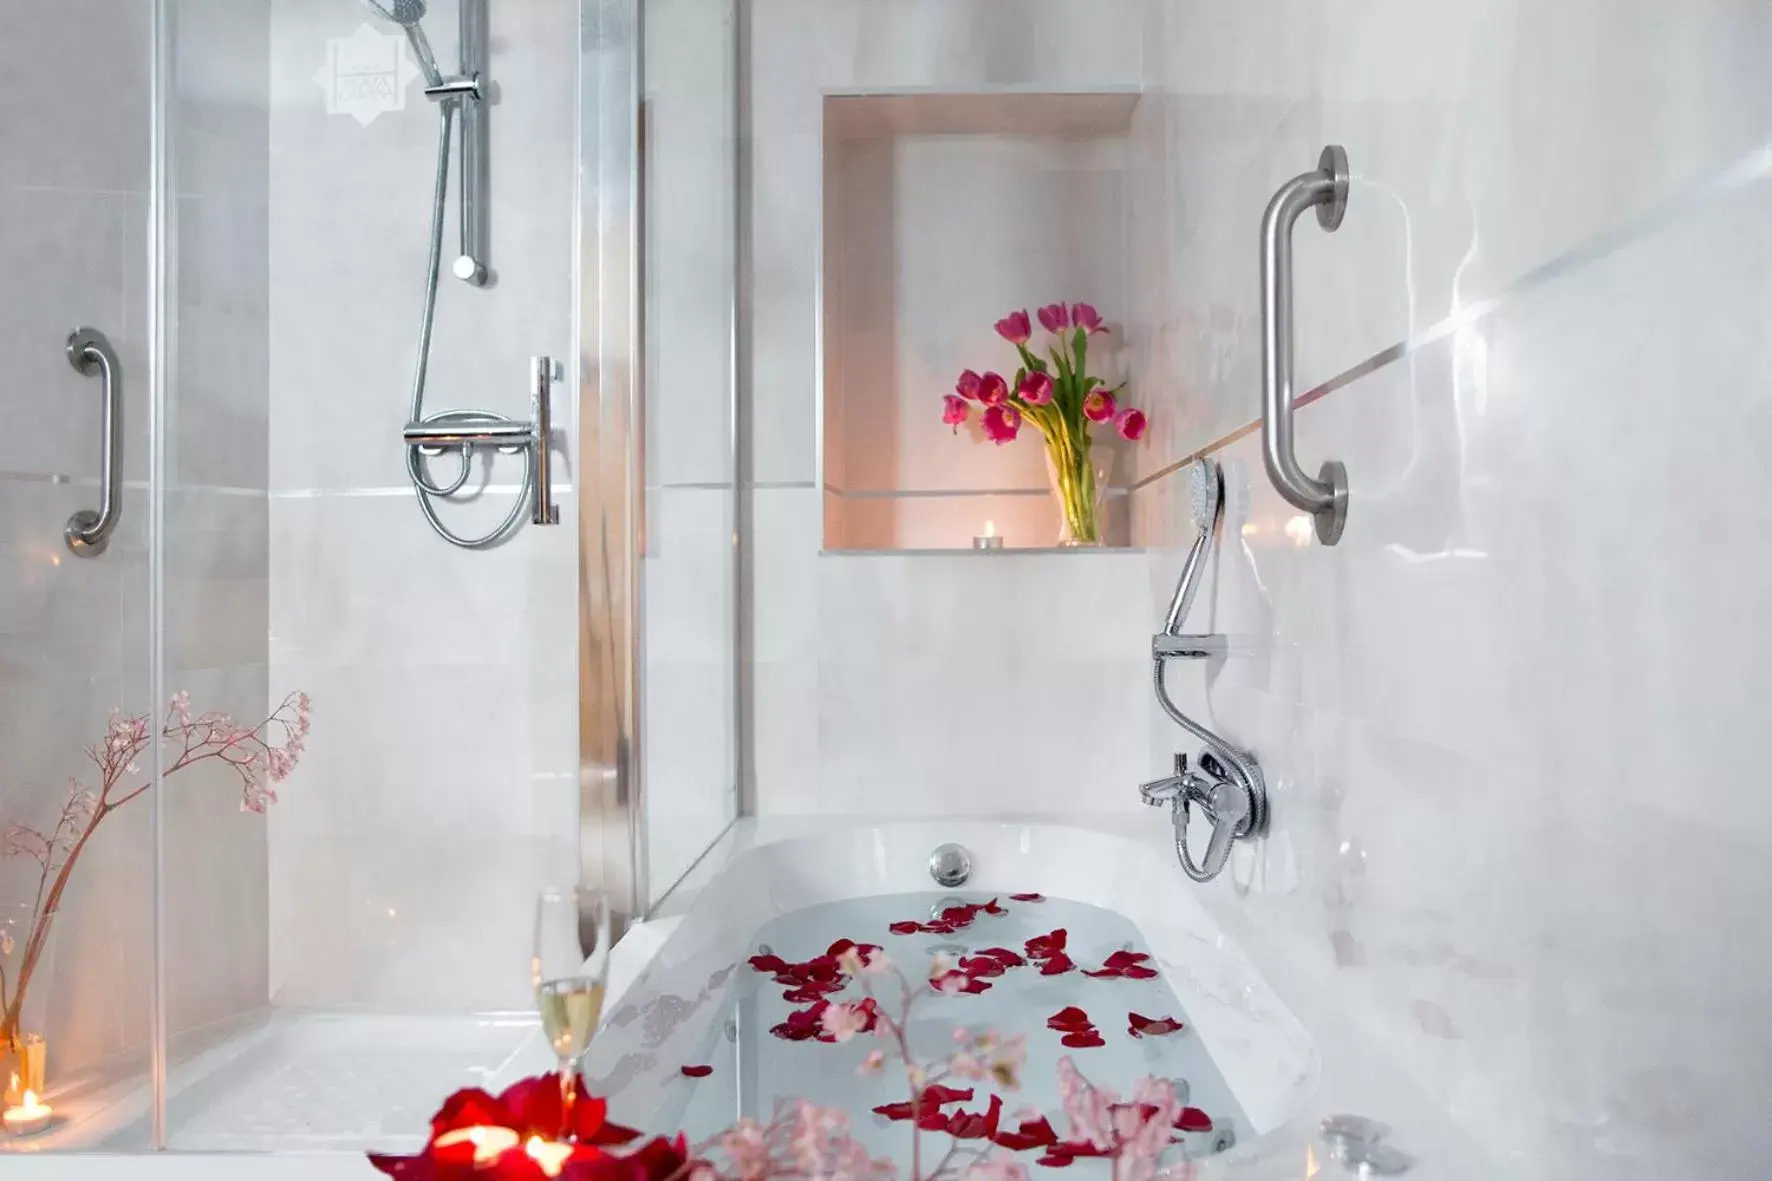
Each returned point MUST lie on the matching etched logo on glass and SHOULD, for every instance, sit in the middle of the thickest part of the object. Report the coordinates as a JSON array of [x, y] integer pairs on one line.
[[366, 75]]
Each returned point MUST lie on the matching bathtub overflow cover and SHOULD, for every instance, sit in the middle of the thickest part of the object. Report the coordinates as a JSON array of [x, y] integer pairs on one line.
[[950, 865]]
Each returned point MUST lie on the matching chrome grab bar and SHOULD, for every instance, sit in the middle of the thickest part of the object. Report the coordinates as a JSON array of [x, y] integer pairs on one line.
[[1325, 497], [87, 532]]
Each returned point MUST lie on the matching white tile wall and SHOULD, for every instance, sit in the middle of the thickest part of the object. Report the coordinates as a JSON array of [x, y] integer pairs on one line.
[[1509, 720], [909, 683], [442, 785]]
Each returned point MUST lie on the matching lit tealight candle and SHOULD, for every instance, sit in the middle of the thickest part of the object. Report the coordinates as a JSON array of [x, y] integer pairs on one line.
[[489, 1143], [28, 1118], [988, 539]]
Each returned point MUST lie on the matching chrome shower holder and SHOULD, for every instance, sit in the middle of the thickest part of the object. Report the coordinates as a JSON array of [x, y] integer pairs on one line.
[[1226, 785]]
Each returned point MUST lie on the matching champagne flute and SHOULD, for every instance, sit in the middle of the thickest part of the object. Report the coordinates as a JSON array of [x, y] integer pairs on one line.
[[570, 972]]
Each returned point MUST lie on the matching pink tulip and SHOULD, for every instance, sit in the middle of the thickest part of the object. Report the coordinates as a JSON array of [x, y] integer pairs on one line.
[[967, 386], [1131, 424], [1085, 316], [1055, 317], [1036, 389], [954, 411], [993, 390], [1099, 405], [1002, 424], [1015, 327]]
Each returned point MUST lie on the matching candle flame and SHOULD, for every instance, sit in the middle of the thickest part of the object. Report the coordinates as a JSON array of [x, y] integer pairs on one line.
[[990, 528], [30, 1100]]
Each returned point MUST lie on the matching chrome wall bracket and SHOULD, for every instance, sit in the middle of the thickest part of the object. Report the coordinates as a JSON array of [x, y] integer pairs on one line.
[[1326, 189], [465, 430], [88, 532], [471, 92]]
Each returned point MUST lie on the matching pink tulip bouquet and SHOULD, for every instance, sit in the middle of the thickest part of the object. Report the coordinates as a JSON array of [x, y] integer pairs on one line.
[[1056, 395]]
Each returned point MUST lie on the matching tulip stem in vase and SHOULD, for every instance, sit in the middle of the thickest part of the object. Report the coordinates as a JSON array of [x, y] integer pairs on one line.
[[1059, 398]]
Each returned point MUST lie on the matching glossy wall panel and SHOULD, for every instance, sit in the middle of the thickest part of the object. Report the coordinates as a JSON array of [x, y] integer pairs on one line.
[[1508, 720], [441, 779]]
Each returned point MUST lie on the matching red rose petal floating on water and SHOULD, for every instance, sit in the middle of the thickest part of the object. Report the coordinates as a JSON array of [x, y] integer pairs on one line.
[[1140, 1026], [1069, 1018], [954, 982], [697, 1071], [1050, 944], [1027, 897], [804, 1025], [1003, 956], [905, 928], [1085, 1040], [983, 965], [965, 1125], [770, 963], [935, 1096], [1058, 965], [1068, 1152], [1032, 1134], [1192, 1119], [991, 907]]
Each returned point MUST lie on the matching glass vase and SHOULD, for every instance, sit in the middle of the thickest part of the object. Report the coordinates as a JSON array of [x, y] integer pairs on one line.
[[1072, 477], [24, 1050]]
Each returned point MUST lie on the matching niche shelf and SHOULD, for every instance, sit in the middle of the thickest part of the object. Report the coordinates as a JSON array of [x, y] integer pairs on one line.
[[941, 213]]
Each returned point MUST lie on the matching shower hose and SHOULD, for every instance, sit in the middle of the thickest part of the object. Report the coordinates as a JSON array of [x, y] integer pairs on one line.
[[416, 454]]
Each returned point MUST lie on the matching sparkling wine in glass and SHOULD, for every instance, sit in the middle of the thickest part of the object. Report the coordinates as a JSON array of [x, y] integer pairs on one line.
[[571, 971]]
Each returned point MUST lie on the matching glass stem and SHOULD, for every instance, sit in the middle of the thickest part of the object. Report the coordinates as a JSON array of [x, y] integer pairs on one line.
[[568, 1092]]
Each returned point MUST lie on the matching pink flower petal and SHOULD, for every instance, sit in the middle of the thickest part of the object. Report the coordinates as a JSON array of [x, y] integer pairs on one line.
[[1131, 424], [1015, 327], [954, 411], [993, 390], [1002, 424], [1099, 405], [1055, 317], [967, 385], [1035, 389]]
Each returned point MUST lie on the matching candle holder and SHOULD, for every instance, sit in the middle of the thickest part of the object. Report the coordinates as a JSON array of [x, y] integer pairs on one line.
[[23, 1067]]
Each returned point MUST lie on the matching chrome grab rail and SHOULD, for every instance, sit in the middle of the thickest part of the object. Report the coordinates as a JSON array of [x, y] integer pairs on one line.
[[87, 532], [1325, 497], [541, 404]]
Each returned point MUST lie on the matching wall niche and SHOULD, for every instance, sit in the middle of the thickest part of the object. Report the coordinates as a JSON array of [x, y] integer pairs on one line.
[[941, 213]]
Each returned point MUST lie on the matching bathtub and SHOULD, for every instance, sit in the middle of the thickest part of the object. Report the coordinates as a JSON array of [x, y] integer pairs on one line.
[[1288, 1066], [1289, 1061]]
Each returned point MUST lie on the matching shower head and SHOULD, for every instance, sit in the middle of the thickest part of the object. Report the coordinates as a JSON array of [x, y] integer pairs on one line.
[[1206, 487], [401, 12], [407, 14]]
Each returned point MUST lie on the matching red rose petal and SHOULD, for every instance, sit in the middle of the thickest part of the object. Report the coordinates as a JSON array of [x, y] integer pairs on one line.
[[905, 928], [1027, 898], [697, 1071], [1125, 959], [1069, 1017], [1085, 1040], [1140, 973], [935, 1121], [1104, 973], [1035, 1134], [1192, 1119], [1058, 965], [770, 963], [992, 907], [1139, 1025], [1003, 956], [941, 1096]]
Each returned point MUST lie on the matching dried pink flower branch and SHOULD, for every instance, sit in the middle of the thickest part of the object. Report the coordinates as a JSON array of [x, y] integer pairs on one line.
[[260, 756]]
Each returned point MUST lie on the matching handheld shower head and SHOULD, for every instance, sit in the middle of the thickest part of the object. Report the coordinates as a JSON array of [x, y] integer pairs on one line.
[[407, 14], [1207, 489], [401, 12]]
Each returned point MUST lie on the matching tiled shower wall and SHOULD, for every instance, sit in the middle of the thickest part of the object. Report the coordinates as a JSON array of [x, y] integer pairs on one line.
[[441, 787], [1511, 722], [898, 683], [74, 642]]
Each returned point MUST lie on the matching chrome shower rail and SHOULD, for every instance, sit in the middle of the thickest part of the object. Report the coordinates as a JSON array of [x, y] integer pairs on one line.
[[1325, 497]]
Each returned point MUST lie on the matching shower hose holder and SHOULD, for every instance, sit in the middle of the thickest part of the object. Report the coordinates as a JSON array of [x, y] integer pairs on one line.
[[466, 430]]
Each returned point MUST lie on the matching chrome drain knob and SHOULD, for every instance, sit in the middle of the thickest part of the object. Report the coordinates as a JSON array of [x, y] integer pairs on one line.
[[950, 865]]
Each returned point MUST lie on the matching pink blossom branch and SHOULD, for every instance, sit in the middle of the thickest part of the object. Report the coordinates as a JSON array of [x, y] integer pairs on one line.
[[252, 753]]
